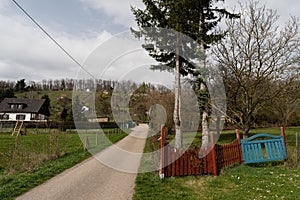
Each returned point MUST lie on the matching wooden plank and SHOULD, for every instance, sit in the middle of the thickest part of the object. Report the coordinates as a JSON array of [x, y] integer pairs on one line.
[[268, 150], [281, 150], [239, 143], [193, 155], [188, 163], [181, 163], [273, 150], [191, 162], [213, 153], [174, 163], [197, 163], [169, 162], [282, 131], [205, 164], [297, 147], [260, 151], [162, 152], [277, 153], [185, 164]]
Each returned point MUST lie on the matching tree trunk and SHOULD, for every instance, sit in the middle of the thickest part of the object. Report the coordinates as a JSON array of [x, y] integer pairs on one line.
[[203, 88], [205, 124], [177, 107], [246, 132], [205, 130], [248, 122]]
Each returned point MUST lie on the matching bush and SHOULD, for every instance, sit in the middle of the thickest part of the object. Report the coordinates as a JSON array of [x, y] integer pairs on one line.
[[295, 119]]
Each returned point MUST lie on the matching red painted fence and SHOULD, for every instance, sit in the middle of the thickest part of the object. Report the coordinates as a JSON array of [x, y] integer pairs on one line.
[[185, 163]]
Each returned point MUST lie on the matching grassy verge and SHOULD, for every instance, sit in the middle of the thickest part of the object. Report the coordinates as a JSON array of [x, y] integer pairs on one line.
[[236, 182], [241, 182], [14, 183]]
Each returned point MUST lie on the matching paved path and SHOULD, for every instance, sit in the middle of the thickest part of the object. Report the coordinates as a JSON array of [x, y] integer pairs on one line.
[[91, 179]]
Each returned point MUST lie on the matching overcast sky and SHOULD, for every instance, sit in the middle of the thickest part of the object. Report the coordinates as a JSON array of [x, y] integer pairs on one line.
[[78, 25]]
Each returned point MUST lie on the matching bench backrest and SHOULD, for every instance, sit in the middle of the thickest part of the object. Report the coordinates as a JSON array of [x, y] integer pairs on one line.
[[263, 150]]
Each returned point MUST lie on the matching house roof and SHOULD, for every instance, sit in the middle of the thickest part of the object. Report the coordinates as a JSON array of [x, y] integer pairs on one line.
[[30, 105]]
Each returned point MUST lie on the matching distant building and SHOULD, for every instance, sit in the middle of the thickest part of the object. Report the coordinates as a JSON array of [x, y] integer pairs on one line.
[[13, 109], [100, 119]]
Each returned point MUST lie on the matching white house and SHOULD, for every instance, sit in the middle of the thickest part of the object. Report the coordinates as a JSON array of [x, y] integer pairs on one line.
[[13, 109]]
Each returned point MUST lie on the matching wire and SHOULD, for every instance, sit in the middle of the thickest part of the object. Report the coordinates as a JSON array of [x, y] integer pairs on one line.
[[60, 46]]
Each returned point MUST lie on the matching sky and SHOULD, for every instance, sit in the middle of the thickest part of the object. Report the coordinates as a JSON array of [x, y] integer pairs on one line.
[[80, 26]]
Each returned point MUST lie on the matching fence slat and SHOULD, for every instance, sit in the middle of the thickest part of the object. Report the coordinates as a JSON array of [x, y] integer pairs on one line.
[[189, 162]]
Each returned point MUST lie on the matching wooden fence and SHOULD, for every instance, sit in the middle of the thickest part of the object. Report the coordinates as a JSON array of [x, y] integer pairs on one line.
[[186, 163], [229, 154], [190, 162]]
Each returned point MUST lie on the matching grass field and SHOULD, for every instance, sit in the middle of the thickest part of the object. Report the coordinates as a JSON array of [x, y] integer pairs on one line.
[[28, 161], [260, 181]]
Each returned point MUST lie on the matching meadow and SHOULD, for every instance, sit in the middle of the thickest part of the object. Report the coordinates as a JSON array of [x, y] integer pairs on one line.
[[29, 160]]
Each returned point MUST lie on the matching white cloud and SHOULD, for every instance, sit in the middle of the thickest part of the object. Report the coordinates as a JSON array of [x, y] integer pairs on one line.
[[26, 52], [123, 58], [4, 3], [119, 10], [285, 9]]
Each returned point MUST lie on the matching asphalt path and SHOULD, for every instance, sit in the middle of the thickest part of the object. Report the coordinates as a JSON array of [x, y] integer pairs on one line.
[[89, 180]]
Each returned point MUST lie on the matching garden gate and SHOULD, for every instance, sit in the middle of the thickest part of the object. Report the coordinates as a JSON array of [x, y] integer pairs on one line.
[[264, 148]]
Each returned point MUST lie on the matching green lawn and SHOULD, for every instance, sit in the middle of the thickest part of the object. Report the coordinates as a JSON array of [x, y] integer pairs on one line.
[[241, 182], [34, 158], [264, 181]]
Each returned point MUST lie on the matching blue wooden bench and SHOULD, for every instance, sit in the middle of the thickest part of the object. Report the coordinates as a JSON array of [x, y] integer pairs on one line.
[[268, 148]]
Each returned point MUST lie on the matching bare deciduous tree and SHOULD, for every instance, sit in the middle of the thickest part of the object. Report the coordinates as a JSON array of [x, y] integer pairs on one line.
[[287, 102], [255, 54]]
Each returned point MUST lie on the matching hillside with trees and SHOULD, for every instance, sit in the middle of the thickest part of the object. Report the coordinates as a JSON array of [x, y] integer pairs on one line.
[[280, 110]]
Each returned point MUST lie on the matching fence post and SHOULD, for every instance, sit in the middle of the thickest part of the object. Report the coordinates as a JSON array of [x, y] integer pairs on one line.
[[283, 135], [213, 153], [284, 139], [86, 143], [297, 147], [238, 137], [96, 138], [162, 153]]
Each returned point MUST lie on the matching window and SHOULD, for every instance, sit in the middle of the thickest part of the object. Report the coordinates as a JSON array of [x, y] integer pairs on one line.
[[4, 116], [20, 117], [33, 115], [17, 106], [42, 117]]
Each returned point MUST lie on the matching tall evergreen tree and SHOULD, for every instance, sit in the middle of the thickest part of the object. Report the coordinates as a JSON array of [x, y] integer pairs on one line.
[[6, 93], [193, 18], [20, 85], [47, 104]]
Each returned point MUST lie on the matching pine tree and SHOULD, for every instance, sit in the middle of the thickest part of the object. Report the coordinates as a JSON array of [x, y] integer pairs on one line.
[[193, 18]]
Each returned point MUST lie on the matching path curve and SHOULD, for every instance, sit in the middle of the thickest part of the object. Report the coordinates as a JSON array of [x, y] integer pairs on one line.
[[91, 180]]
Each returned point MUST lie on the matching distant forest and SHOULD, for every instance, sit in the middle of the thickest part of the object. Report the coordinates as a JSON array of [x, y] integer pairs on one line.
[[59, 94], [145, 95]]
